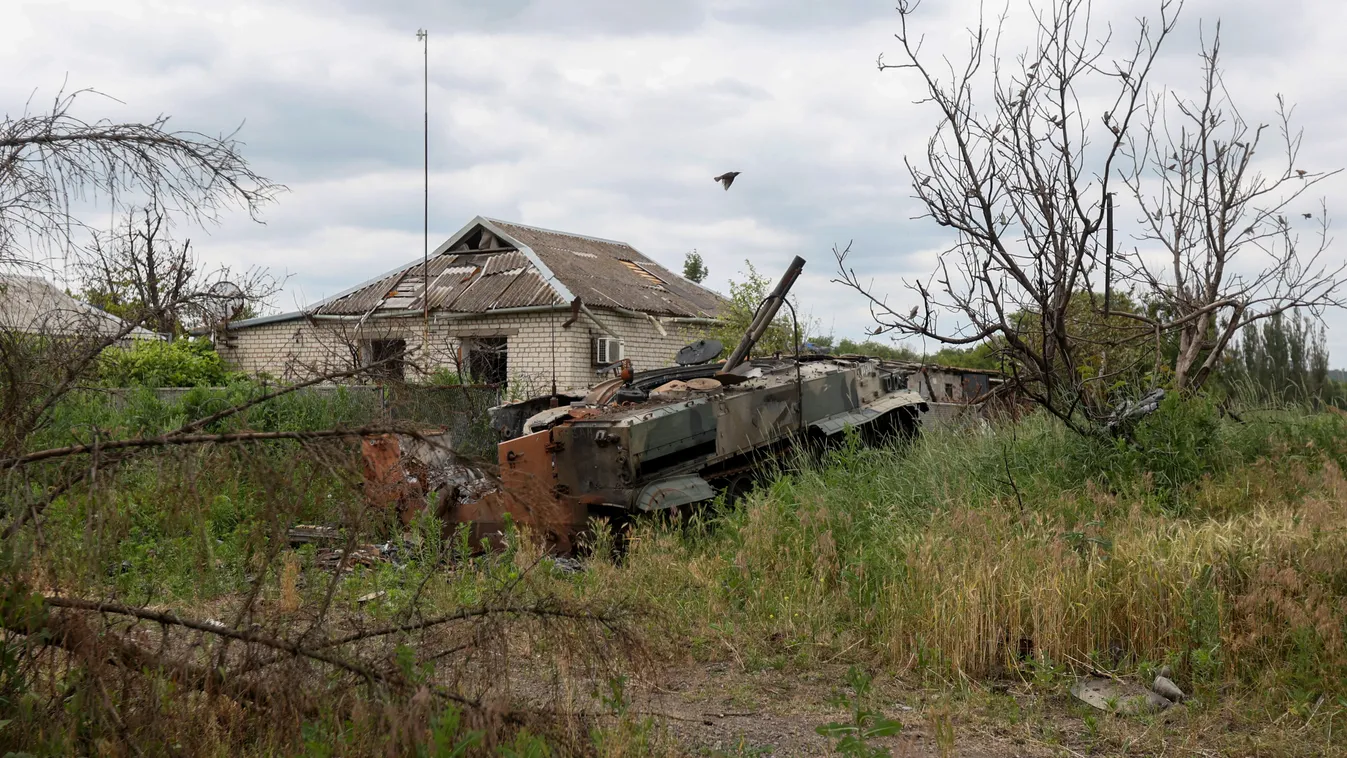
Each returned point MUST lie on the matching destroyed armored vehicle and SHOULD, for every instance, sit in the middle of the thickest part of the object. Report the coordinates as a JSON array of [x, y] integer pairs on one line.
[[659, 440]]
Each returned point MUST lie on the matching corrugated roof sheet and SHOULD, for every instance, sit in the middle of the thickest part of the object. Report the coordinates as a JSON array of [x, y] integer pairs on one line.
[[528, 289], [605, 280], [467, 279], [36, 306]]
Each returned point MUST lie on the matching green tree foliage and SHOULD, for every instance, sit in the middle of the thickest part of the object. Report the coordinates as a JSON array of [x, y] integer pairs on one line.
[[155, 363], [737, 315], [1283, 358], [694, 269], [877, 349], [984, 355]]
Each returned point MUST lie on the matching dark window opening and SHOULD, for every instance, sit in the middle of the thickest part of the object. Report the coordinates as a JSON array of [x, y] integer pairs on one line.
[[386, 358], [949, 391], [486, 360]]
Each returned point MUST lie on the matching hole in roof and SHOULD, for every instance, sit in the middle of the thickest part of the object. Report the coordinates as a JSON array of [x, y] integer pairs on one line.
[[640, 271]]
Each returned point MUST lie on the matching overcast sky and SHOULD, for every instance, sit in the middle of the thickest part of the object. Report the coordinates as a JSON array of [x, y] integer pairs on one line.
[[602, 117]]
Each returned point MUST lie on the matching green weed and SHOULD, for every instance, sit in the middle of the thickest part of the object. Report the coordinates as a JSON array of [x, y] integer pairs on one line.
[[865, 724]]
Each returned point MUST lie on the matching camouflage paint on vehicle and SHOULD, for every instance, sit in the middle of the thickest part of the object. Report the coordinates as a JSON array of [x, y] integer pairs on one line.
[[677, 448]]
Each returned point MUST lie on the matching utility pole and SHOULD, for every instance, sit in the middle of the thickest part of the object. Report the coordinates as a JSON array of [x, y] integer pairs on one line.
[[424, 36]]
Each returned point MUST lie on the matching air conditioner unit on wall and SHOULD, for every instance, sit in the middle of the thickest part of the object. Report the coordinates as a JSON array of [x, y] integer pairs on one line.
[[606, 350]]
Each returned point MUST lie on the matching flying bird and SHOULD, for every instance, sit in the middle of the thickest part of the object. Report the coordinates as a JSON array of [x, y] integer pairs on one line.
[[727, 178], [913, 314], [1308, 215]]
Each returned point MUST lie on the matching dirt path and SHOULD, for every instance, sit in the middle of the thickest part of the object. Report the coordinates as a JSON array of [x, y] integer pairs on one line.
[[714, 710]]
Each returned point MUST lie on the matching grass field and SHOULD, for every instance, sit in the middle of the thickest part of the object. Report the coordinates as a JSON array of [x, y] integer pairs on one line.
[[974, 575]]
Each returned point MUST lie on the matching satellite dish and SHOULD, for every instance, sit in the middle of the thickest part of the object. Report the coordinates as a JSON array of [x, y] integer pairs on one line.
[[699, 352], [223, 301]]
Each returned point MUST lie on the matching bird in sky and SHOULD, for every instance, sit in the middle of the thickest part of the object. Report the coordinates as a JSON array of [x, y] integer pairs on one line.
[[727, 178], [1308, 215], [913, 314]]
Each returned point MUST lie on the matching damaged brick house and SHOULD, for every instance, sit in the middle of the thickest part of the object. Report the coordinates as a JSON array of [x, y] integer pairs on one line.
[[507, 304], [950, 384]]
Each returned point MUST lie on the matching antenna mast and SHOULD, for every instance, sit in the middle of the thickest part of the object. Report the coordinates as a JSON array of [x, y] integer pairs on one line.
[[424, 36]]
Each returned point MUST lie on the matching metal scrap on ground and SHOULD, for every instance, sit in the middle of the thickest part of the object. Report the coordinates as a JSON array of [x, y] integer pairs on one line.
[[1128, 699]]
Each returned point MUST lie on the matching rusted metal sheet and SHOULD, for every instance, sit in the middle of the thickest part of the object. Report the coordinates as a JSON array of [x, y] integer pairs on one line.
[[389, 485], [528, 495], [525, 463]]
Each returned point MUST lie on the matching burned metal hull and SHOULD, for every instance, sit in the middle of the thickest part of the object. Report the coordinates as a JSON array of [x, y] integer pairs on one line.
[[675, 437]]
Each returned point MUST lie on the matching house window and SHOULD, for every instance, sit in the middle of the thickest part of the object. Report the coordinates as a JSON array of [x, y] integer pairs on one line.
[[386, 358], [486, 360], [949, 391]]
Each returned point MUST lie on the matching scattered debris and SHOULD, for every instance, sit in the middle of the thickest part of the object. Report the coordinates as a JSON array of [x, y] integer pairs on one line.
[[401, 471], [304, 534], [1129, 411], [1164, 686], [370, 596], [1116, 696], [364, 555], [567, 565]]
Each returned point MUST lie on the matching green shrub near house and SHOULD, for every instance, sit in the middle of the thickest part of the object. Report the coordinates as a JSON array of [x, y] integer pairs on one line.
[[154, 363]]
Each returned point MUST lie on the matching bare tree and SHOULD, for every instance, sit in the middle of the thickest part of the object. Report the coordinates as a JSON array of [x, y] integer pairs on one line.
[[1226, 220], [53, 161], [139, 271], [53, 165], [1025, 179], [1020, 173]]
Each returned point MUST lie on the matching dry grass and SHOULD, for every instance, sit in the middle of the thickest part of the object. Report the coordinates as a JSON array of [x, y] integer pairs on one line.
[[1025, 555], [923, 560]]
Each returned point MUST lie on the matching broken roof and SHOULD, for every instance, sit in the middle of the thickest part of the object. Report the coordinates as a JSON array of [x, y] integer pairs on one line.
[[34, 305], [492, 265]]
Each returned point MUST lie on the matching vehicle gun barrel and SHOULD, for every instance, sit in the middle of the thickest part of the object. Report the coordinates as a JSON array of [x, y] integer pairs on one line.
[[766, 313]]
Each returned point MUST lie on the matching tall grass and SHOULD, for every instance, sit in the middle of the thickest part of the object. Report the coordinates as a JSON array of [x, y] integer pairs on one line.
[[1200, 541], [1209, 543]]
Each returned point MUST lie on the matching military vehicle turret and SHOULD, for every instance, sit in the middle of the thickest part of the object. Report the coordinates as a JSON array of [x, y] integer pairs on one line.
[[664, 439]]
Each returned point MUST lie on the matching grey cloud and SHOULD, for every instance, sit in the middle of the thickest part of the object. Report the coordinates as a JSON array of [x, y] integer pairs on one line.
[[802, 15], [565, 134], [573, 17]]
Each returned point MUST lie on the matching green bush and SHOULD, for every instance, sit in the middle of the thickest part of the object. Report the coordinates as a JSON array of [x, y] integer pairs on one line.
[[152, 363]]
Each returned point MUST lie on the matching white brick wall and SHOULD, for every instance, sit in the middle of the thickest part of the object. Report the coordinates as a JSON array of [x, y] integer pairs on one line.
[[537, 345]]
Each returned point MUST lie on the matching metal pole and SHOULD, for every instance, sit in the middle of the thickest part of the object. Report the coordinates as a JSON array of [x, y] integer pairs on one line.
[[764, 315], [424, 36]]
